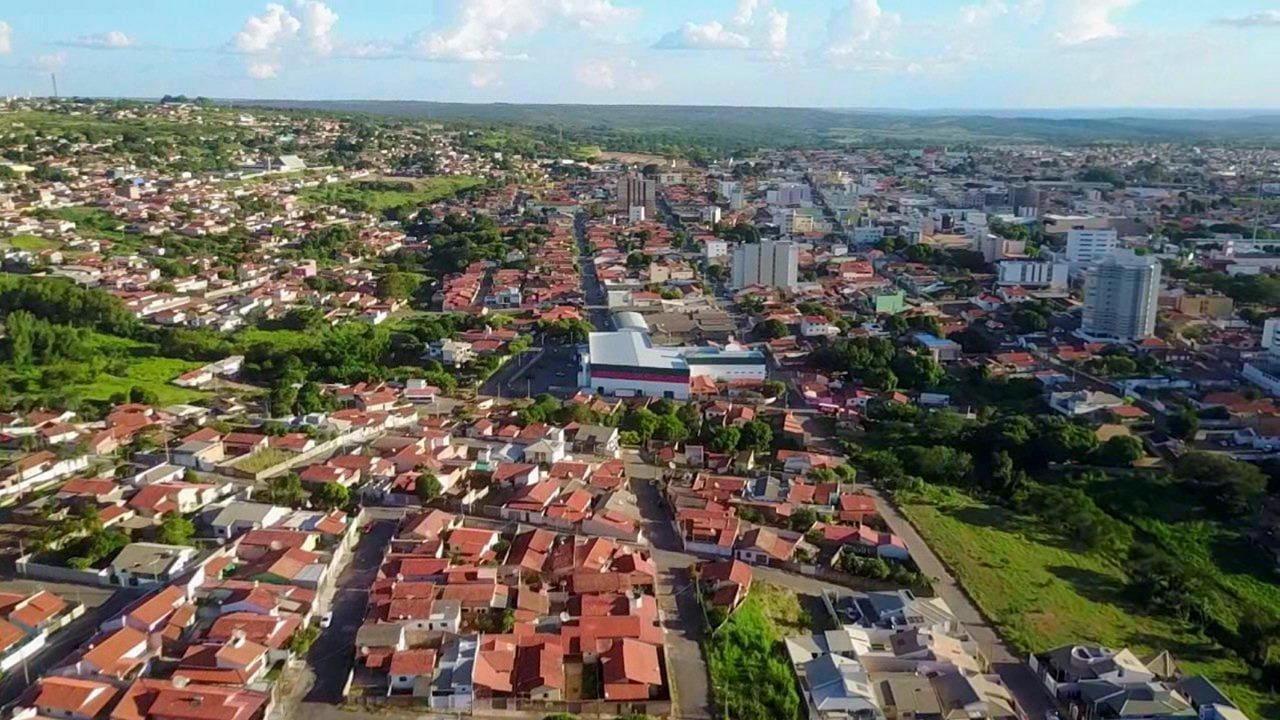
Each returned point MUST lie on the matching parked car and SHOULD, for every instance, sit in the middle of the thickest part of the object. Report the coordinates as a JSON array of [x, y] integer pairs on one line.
[[326, 620]]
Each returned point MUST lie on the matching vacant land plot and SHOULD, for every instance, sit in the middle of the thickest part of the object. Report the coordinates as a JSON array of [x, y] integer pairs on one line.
[[30, 243], [263, 459], [1041, 593], [751, 677], [152, 373], [377, 196]]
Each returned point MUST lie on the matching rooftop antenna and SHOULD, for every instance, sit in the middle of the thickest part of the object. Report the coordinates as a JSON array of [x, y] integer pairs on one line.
[[54, 78]]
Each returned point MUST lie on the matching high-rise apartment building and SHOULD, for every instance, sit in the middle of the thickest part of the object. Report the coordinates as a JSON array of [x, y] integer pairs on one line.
[[635, 190], [1085, 245], [1120, 297], [772, 263]]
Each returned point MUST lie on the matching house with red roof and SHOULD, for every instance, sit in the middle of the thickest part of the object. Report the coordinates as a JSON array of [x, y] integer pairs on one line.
[[631, 671], [154, 699]]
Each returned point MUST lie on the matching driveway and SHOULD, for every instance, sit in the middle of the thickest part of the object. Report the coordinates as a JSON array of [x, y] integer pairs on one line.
[[1013, 670]]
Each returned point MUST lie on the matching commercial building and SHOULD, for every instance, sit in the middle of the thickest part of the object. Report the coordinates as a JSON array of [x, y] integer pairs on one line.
[[771, 263], [1033, 273], [625, 363], [1120, 297], [635, 190], [1086, 245]]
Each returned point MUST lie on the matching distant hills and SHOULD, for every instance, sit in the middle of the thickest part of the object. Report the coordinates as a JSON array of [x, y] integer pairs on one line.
[[631, 127]]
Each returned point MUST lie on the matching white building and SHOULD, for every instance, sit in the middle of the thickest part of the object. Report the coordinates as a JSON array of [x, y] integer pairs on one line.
[[1033, 273], [717, 249], [1085, 245], [625, 363], [1120, 297], [789, 194], [771, 263]]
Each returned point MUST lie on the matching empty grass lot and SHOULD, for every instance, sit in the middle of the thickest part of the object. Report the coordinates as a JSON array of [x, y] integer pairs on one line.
[[1041, 593], [376, 196]]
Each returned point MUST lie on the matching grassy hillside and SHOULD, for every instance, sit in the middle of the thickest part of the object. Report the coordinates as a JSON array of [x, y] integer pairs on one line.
[[1041, 593]]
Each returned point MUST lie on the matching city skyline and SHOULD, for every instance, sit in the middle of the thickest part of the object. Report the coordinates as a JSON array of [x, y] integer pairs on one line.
[[1025, 55]]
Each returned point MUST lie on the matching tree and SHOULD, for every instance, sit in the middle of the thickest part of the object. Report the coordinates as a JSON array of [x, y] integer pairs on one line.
[[1119, 451], [803, 519], [756, 435], [670, 429], [285, 490], [427, 487], [774, 388], [331, 496], [1063, 441], [175, 530], [1183, 424], [774, 328], [725, 439], [643, 422], [1235, 486], [937, 463], [398, 285]]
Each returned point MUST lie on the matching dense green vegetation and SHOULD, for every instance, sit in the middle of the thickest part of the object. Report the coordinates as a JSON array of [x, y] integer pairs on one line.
[[393, 199], [702, 131], [1059, 540], [751, 678]]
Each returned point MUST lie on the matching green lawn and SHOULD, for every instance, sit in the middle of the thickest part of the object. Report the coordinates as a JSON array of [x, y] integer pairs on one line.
[[377, 196], [151, 373], [263, 459], [1042, 594], [291, 340], [31, 243]]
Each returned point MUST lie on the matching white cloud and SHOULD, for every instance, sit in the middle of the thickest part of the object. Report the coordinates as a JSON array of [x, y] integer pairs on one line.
[[6, 38], [746, 8], [305, 28], [1086, 21], [262, 70], [317, 25], [113, 40], [706, 36], [755, 25], [775, 33], [983, 13], [268, 31], [604, 74], [51, 62], [1265, 18], [484, 76], [597, 75], [859, 34], [485, 28]]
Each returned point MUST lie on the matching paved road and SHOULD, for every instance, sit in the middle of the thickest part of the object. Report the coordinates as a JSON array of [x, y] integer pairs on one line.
[[593, 294], [682, 618], [1015, 673], [332, 655]]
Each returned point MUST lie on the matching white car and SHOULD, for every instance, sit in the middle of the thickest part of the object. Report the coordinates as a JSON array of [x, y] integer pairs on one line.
[[326, 620]]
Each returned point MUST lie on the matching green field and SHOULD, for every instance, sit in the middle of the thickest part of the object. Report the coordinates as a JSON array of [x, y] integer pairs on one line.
[[152, 373], [751, 676], [375, 196], [1041, 593], [31, 243], [263, 459]]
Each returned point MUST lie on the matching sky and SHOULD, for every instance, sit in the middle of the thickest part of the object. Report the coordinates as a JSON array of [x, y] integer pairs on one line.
[[910, 54]]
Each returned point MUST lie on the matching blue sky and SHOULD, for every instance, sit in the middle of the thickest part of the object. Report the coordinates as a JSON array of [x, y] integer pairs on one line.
[[917, 54]]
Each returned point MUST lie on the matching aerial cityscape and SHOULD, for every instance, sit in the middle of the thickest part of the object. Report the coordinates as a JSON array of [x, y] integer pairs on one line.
[[559, 359]]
